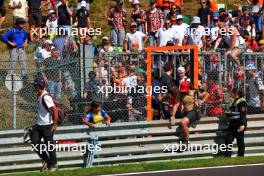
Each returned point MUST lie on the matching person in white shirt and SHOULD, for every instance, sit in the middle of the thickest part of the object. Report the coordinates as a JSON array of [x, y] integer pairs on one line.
[[180, 28], [166, 34], [195, 34], [45, 127], [135, 40], [215, 29], [20, 9], [52, 24]]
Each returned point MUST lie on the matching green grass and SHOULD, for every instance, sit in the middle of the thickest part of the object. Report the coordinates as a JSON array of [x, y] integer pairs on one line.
[[154, 166]]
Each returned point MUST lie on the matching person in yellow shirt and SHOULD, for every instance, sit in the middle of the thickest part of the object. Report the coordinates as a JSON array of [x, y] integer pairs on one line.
[[95, 115]]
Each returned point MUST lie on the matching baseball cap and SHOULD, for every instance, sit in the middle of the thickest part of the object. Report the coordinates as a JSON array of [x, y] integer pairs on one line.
[[83, 4], [181, 69], [39, 82], [119, 1], [105, 38], [251, 67], [152, 1], [51, 12], [255, 9], [184, 86], [133, 24], [179, 17], [20, 21], [134, 2]]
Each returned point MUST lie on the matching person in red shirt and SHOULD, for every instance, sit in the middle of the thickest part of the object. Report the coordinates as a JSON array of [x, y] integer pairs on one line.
[[116, 18], [155, 20], [216, 98]]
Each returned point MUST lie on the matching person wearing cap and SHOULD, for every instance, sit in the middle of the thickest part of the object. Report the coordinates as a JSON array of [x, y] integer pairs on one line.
[[204, 13], [20, 9], [16, 39], [138, 16], [215, 29], [45, 127], [181, 76], [191, 101], [237, 117], [135, 40], [155, 20], [117, 18], [105, 47], [180, 28], [195, 34], [52, 24], [255, 90], [83, 21]]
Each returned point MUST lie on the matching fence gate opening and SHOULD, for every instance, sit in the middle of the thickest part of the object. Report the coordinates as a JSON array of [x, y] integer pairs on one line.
[[179, 56]]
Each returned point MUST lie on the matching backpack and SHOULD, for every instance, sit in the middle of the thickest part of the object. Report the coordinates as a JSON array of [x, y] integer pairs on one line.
[[61, 111]]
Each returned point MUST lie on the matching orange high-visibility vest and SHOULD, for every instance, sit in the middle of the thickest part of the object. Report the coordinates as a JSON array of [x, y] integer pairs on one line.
[[260, 3], [162, 4]]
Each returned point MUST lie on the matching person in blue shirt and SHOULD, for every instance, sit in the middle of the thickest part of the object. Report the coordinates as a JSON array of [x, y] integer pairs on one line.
[[16, 39], [95, 115]]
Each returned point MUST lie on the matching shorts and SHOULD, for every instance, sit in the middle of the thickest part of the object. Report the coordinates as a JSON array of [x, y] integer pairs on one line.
[[35, 18], [3, 11], [192, 116]]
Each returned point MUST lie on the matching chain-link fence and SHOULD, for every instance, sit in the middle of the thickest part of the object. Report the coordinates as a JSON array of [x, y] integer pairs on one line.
[[78, 75]]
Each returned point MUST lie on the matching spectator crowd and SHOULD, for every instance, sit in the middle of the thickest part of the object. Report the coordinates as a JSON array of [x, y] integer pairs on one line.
[[212, 29]]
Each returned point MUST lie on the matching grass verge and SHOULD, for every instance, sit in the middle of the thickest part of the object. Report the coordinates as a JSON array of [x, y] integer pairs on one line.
[[155, 166]]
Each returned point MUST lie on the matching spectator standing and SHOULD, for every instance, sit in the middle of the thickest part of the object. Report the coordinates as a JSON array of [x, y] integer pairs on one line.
[[52, 74], [215, 29], [16, 38], [45, 127], [204, 14], [181, 76], [2, 12], [154, 21], [34, 17], [83, 21], [166, 79], [213, 4], [20, 9], [64, 14], [180, 28], [257, 21], [166, 34], [117, 17], [105, 47], [135, 40], [88, 4], [255, 90], [138, 16], [195, 34], [92, 88], [174, 11], [52, 24]]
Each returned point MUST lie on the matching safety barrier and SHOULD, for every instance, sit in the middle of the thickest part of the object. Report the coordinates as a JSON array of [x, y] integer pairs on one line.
[[127, 142]]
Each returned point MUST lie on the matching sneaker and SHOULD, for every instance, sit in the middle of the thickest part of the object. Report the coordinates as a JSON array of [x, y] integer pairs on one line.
[[44, 167], [53, 168]]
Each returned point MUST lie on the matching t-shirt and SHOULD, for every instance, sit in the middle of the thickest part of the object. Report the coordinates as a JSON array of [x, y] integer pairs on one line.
[[195, 36], [135, 40], [64, 17], [154, 19], [214, 33], [203, 14], [213, 5], [82, 15], [130, 81], [188, 100], [167, 81], [255, 86], [117, 16], [96, 118], [44, 116], [22, 11], [165, 35], [34, 5], [181, 31]]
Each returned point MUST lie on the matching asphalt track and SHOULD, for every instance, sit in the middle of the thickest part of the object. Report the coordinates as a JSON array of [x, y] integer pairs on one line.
[[240, 170]]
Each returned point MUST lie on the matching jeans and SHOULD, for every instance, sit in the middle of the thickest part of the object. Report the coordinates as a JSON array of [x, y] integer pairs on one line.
[[17, 54], [117, 37], [39, 132], [55, 89], [151, 38]]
